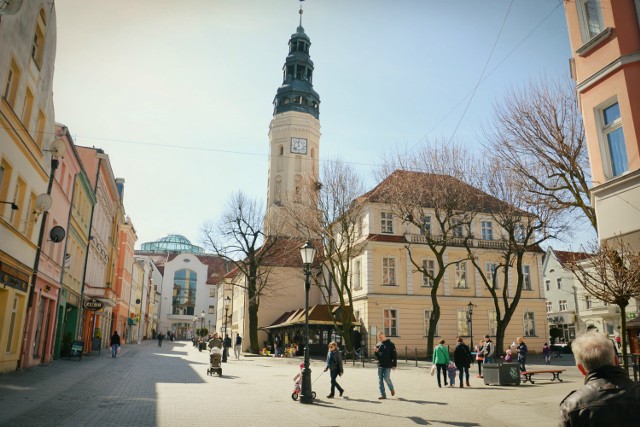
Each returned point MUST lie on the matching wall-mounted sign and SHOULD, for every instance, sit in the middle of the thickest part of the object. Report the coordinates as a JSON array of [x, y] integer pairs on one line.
[[93, 304], [13, 278]]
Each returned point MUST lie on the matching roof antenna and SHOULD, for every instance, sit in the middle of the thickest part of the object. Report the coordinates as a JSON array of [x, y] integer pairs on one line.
[[300, 12]]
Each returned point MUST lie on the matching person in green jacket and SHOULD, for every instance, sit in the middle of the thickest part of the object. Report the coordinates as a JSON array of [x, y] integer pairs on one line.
[[441, 360]]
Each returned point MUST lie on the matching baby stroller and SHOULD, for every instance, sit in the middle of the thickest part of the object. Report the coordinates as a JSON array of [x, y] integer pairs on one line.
[[215, 362], [297, 384]]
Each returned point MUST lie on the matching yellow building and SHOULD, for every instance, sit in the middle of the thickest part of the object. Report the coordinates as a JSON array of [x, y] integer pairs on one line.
[[391, 295]]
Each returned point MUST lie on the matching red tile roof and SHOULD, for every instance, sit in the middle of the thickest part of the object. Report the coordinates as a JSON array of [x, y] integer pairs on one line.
[[565, 256]]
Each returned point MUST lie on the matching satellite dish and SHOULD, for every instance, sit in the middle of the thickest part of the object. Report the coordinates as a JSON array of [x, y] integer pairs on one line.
[[58, 148], [137, 300], [43, 202], [57, 234]]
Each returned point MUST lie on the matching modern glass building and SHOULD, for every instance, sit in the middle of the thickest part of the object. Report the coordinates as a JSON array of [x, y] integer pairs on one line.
[[172, 243]]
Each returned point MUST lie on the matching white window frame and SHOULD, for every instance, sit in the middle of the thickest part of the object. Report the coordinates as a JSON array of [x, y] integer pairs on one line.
[[490, 271], [583, 19], [390, 321], [604, 130], [461, 277], [487, 230], [386, 222], [492, 323], [526, 278], [549, 305], [559, 283], [529, 324], [457, 228], [427, 316], [462, 321], [355, 276], [426, 226], [562, 305], [389, 271], [547, 285], [428, 265]]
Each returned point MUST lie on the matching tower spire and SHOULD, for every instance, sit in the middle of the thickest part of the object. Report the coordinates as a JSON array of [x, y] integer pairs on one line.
[[301, 12]]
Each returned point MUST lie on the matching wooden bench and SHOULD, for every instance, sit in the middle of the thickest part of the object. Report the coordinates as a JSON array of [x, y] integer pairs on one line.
[[556, 374]]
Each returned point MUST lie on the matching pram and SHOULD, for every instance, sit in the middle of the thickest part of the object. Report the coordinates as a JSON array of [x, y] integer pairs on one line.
[[297, 384], [215, 362]]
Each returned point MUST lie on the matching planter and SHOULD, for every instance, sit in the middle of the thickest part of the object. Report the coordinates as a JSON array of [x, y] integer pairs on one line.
[[501, 373]]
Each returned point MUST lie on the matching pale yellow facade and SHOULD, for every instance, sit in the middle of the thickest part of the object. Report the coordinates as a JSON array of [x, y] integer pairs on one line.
[[409, 297]]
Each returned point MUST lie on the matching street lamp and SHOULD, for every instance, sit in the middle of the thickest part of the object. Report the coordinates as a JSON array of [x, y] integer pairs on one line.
[[202, 316], [14, 207], [227, 301], [195, 335], [470, 320], [308, 252]]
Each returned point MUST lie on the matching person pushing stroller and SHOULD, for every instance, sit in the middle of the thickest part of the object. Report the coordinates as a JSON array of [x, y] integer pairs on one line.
[[215, 356]]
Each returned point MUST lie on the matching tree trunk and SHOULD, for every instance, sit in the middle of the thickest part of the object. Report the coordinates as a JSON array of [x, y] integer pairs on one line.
[[623, 334], [253, 328], [433, 323]]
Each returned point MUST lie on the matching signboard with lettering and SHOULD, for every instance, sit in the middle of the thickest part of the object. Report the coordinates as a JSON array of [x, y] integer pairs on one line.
[[13, 277], [76, 349], [93, 304]]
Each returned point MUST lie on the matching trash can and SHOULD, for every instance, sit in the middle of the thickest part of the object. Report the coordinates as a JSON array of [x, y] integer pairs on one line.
[[202, 346], [501, 373]]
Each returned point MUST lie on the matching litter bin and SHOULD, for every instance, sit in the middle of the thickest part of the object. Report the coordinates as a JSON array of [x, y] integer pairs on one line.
[[501, 373], [202, 346]]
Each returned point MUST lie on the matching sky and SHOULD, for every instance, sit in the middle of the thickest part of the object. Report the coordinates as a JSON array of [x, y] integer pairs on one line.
[[179, 94]]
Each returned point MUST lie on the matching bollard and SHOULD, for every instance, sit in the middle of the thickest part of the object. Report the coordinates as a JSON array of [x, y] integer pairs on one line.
[[406, 354], [416, 350]]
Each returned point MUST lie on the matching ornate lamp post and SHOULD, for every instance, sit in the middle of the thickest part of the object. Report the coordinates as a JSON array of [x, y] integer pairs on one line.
[[470, 321], [202, 316], [308, 252], [195, 334], [227, 301]]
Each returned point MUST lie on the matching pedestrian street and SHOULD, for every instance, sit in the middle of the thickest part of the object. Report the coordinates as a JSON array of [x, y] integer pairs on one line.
[[147, 385]]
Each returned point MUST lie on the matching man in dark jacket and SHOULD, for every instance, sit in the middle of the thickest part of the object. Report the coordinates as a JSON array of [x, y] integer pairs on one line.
[[608, 396], [387, 360]]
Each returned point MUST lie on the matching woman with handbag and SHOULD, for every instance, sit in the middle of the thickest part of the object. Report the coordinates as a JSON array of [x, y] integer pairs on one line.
[[441, 360], [480, 357]]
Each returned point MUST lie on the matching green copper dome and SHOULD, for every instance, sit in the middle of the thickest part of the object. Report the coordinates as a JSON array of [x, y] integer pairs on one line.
[[296, 92]]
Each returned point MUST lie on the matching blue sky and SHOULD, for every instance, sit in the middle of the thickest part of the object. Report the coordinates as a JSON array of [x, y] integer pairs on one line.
[[179, 94]]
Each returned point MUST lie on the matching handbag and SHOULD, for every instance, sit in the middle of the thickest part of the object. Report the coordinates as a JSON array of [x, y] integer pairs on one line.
[[433, 369]]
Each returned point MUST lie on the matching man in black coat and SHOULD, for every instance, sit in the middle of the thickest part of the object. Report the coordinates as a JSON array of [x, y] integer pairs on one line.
[[387, 360], [608, 396]]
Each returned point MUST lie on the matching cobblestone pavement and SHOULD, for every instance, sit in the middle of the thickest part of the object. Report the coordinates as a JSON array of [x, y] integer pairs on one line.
[[169, 386]]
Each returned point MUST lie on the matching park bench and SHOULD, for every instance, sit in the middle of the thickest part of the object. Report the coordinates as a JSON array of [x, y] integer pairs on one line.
[[556, 374]]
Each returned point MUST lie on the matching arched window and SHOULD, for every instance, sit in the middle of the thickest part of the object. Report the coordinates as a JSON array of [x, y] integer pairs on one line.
[[184, 292]]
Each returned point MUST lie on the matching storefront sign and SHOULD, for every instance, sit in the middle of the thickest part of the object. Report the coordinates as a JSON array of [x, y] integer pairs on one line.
[[93, 305], [14, 278]]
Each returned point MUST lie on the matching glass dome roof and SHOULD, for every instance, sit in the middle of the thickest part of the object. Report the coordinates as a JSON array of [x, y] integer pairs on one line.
[[172, 243]]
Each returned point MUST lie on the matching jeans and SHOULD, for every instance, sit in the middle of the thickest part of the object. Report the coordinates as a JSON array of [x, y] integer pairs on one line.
[[488, 359], [465, 370], [334, 383], [384, 375], [114, 350], [442, 367], [522, 361]]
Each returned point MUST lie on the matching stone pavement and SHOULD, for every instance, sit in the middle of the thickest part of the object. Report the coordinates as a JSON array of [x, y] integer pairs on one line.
[[168, 386]]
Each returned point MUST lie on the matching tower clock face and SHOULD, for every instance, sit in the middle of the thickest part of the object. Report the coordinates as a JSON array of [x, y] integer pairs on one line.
[[299, 145]]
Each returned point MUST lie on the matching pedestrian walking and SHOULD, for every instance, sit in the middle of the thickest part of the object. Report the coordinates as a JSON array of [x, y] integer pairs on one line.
[[387, 360], [546, 352], [451, 372], [489, 350], [462, 358], [227, 345], [238, 346], [441, 360], [160, 338], [608, 396], [335, 368], [522, 351], [480, 357], [115, 344]]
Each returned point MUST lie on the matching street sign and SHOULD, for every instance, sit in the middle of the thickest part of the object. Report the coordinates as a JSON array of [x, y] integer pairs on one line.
[[93, 304]]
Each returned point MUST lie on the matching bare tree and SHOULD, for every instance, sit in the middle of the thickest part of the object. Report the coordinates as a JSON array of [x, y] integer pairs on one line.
[[427, 189], [239, 238], [333, 218], [538, 133], [524, 223], [612, 275]]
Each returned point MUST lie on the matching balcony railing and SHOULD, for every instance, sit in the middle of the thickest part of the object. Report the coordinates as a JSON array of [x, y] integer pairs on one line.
[[460, 241]]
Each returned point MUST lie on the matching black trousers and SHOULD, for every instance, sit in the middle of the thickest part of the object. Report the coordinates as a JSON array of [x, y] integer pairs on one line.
[[334, 383]]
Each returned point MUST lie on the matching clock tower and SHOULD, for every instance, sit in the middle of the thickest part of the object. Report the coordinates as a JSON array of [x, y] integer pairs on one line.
[[294, 136]]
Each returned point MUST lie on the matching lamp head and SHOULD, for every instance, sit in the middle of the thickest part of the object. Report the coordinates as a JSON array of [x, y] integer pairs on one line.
[[470, 306], [308, 253], [227, 301]]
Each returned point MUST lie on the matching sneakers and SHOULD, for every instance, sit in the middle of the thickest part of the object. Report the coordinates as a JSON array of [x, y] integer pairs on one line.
[[341, 391], [382, 397], [393, 392], [330, 396]]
